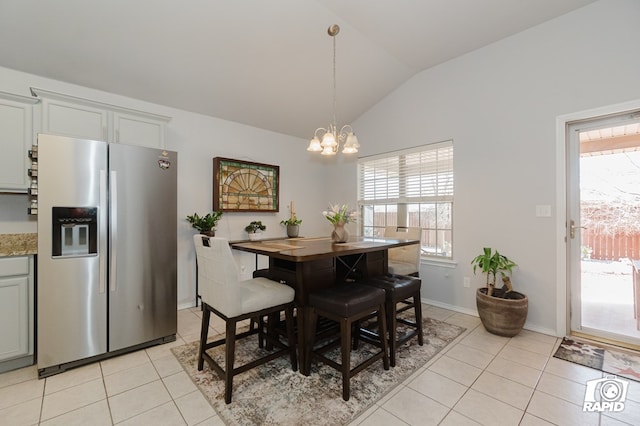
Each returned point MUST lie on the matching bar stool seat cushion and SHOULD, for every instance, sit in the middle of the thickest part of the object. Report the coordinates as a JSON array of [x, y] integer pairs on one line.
[[397, 287], [347, 300], [222, 288], [261, 293]]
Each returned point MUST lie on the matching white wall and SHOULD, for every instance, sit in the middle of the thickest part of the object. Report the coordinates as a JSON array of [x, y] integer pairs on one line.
[[198, 139], [499, 105]]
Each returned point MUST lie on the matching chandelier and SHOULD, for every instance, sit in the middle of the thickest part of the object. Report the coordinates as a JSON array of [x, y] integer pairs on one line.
[[327, 141]]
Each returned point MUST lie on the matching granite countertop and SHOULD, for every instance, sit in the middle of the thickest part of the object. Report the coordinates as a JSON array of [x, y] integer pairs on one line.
[[18, 244]]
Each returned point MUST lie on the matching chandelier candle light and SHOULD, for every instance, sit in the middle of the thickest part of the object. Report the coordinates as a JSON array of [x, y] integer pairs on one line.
[[331, 137]]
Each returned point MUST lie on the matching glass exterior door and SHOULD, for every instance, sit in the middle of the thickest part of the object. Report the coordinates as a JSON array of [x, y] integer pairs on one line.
[[603, 227]]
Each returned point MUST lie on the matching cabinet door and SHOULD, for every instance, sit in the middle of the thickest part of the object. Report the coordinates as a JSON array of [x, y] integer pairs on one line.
[[14, 317], [74, 120], [15, 140], [138, 130]]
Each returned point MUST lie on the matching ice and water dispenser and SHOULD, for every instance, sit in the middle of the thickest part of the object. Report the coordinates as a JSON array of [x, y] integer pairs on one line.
[[75, 231]]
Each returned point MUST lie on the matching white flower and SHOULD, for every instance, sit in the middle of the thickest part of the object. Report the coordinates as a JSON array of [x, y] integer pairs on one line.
[[340, 214]]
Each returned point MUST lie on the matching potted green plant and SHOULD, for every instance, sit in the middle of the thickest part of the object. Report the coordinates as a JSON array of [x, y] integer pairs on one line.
[[254, 228], [502, 311], [293, 226], [205, 224]]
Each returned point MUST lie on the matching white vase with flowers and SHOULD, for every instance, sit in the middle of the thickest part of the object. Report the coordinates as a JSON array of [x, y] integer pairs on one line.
[[339, 216]]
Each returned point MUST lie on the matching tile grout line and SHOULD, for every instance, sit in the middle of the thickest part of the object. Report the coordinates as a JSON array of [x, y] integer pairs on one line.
[[106, 394], [483, 370]]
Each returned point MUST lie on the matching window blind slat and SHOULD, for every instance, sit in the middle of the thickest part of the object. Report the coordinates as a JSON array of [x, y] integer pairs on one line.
[[411, 176]]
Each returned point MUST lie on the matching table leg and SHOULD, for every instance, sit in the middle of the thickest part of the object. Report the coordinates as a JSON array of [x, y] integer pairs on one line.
[[301, 317], [636, 283], [197, 294]]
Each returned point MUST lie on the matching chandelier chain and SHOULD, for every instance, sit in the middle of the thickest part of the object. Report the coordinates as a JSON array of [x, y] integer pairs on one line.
[[327, 141], [334, 85]]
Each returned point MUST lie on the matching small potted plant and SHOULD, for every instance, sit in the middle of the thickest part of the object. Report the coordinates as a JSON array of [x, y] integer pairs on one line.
[[205, 224], [254, 229], [293, 226], [502, 311]]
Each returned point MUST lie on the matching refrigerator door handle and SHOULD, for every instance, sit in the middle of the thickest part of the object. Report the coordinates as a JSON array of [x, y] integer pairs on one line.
[[102, 284], [113, 230]]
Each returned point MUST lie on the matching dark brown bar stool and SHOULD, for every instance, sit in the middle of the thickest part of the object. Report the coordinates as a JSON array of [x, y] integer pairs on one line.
[[404, 290], [345, 304]]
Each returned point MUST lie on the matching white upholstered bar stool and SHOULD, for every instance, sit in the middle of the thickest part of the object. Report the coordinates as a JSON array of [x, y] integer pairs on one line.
[[404, 260], [233, 300]]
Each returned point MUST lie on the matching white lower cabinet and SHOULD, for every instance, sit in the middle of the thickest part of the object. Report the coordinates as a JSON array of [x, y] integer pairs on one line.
[[16, 312]]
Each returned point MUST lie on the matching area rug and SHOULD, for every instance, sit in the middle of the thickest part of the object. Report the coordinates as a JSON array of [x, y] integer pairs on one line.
[[273, 394], [605, 358]]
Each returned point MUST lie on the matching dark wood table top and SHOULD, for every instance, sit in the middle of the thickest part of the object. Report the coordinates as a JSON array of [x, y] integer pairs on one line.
[[306, 249]]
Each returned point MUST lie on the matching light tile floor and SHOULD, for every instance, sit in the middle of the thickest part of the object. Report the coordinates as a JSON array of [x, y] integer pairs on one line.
[[478, 379]]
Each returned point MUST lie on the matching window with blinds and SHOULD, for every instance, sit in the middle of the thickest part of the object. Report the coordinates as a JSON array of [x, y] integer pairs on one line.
[[410, 188]]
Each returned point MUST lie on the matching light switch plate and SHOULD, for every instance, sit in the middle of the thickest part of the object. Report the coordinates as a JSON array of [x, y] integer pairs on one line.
[[543, 210]]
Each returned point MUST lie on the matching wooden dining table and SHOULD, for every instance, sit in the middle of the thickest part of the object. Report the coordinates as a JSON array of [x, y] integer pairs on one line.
[[311, 264]]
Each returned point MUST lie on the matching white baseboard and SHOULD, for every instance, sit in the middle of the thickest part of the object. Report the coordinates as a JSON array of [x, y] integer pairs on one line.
[[541, 330], [186, 305], [460, 309], [473, 312]]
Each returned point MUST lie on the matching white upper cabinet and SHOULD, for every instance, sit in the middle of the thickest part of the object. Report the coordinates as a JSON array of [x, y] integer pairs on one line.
[[16, 121], [134, 129], [82, 118], [74, 120]]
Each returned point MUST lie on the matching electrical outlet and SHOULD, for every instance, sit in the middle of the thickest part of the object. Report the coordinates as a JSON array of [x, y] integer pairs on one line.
[[243, 269], [466, 282]]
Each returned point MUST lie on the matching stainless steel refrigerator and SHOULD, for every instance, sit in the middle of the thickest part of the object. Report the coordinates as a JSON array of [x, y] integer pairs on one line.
[[107, 250]]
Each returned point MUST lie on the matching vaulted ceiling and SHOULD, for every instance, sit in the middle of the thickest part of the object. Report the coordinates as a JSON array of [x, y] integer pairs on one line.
[[265, 63]]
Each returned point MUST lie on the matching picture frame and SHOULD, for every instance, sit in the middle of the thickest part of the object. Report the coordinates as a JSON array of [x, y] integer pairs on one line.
[[245, 186]]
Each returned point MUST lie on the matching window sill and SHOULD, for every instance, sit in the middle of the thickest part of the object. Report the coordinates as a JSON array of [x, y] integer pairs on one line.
[[444, 263]]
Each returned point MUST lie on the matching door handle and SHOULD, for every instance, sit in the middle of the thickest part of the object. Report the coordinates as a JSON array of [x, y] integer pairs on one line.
[[113, 229], [102, 252], [573, 227]]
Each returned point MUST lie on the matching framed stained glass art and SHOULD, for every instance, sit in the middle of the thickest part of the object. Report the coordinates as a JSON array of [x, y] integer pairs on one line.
[[243, 186]]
